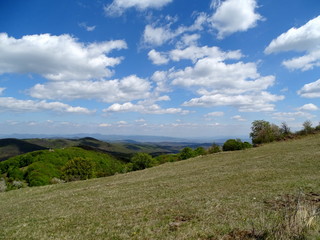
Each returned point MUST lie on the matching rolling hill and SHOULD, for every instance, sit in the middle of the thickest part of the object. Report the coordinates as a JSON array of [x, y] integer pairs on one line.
[[11, 147], [230, 195], [124, 150]]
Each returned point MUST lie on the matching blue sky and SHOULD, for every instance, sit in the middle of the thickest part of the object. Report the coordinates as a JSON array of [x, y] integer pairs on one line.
[[183, 68]]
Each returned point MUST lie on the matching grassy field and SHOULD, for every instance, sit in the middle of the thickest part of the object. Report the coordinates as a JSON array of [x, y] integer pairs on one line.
[[207, 197]]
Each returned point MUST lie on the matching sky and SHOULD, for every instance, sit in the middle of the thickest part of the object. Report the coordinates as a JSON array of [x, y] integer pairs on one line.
[[180, 68]]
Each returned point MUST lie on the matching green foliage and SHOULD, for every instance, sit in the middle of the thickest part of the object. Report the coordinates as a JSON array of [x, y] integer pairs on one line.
[[141, 161], [200, 151], [78, 169], [167, 158], [41, 173], [215, 148], [235, 144], [15, 173], [186, 153], [264, 132], [307, 127], [42, 166]]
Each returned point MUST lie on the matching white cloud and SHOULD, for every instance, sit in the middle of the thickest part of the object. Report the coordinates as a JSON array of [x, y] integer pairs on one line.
[[310, 90], [215, 114], [105, 125], [57, 57], [87, 27], [194, 53], [234, 16], [158, 35], [157, 58], [303, 39], [251, 102], [1, 90], [143, 108], [308, 107], [211, 73], [238, 118], [292, 116], [126, 89], [117, 7], [15, 105]]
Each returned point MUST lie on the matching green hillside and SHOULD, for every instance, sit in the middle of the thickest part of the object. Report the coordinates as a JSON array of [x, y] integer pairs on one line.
[[10, 147], [41, 167], [246, 194]]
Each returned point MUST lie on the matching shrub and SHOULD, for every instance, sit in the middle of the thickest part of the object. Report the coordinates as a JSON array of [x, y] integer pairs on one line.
[[186, 153], [215, 148], [40, 173], [199, 151], [235, 144], [15, 173], [167, 158], [78, 169], [264, 132], [141, 161]]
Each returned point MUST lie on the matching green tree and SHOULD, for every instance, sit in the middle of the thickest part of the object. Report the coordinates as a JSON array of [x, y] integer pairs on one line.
[[232, 145], [215, 148], [141, 161], [78, 169], [285, 129], [264, 132], [199, 151], [186, 153], [307, 127]]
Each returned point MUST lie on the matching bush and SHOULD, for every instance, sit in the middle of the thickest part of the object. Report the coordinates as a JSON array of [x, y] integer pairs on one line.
[[235, 144], [78, 169], [200, 151], [167, 158], [14, 173], [264, 132], [40, 173], [141, 161], [186, 153], [215, 148]]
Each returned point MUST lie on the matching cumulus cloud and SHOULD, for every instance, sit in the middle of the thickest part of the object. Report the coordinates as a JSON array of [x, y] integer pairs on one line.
[[304, 39], [310, 90], [57, 58], [9, 104], [251, 102], [238, 118], [117, 7], [157, 58], [219, 83], [126, 89], [232, 78], [291, 116], [155, 35], [143, 108], [234, 16], [308, 107], [193, 53], [214, 114]]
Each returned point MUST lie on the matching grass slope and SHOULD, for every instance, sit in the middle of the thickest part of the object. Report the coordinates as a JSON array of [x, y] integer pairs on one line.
[[201, 198]]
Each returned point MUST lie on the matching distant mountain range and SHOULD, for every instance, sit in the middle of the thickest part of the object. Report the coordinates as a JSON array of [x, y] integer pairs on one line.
[[124, 138], [121, 149]]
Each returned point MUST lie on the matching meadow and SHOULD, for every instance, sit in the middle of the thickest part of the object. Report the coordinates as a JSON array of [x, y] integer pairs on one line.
[[255, 193]]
